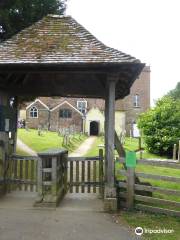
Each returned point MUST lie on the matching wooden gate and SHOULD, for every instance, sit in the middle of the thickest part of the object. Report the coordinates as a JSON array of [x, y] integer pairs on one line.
[[85, 174], [22, 173]]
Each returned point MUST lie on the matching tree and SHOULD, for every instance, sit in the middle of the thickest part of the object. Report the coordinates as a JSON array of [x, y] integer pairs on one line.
[[18, 14], [175, 93], [161, 126]]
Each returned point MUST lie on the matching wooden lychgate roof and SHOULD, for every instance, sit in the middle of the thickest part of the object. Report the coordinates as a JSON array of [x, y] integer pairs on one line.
[[57, 56]]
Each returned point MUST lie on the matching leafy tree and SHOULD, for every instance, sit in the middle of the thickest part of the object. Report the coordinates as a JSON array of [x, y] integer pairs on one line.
[[161, 126], [175, 93], [18, 14]]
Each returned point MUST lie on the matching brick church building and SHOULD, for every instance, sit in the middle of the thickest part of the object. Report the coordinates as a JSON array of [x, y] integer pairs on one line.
[[87, 115]]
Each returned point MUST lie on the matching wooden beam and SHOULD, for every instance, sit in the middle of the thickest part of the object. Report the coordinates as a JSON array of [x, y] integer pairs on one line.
[[109, 130]]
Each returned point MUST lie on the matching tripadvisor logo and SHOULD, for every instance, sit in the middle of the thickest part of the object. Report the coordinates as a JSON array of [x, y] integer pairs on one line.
[[139, 231]]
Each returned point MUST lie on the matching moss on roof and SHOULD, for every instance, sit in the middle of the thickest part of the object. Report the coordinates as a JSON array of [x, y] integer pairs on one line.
[[57, 39]]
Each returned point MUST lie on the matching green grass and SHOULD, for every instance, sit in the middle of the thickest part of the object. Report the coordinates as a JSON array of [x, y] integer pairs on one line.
[[151, 221], [48, 140], [135, 219], [94, 151]]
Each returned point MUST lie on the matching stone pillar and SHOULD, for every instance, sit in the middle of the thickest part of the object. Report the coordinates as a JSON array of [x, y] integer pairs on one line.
[[110, 200]]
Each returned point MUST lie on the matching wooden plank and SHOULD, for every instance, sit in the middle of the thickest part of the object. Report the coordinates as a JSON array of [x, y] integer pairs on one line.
[[119, 147], [32, 174], [39, 177], [86, 183], [94, 176], [157, 210], [155, 189], [20, 173], [130, 187], [82, 176], [83, 158], [71, 177], [47, 183], [101, 191], [156, 162], [26, 173], [151, 189], [157, 177], [89, 175], [48, 170], [15, 173], [54, 176], [157, 201], [24, 158], [77, 176]]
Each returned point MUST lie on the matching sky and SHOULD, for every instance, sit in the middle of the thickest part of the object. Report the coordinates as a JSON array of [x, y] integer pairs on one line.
[[146, 29]]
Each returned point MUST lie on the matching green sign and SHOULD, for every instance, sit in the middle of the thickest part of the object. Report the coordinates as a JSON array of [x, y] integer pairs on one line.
[[130, 159]]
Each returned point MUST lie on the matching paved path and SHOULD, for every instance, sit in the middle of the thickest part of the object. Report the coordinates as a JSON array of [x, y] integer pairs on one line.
[[79, 217], [84, 147], [79, 152], [25, 148]]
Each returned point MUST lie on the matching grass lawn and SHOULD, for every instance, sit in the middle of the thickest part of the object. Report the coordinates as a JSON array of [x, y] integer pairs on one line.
[[148, 220], [48, 140], [151, 221]]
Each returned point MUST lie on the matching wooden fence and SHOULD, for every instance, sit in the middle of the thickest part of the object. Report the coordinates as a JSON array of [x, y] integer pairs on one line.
[[22, 173], [139, 195], [86, 174]]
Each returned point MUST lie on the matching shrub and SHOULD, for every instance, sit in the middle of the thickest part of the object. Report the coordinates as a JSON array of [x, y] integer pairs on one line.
[[160, 126]]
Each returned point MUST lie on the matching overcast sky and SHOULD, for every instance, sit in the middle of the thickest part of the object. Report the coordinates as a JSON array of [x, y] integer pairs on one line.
[[147, 29]]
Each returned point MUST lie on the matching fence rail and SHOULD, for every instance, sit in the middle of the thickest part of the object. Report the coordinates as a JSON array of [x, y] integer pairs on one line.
[[135, 194]]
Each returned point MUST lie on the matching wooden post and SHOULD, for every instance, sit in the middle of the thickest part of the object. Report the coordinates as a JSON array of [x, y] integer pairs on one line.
[[130, 187], [109, 131], [140, 146], [39, 180], [110, 202], [101, 179], [54, 177], [174, 151], [179, 153]]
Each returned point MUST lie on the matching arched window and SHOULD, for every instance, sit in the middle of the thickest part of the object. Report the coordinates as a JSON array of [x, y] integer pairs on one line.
[[33, 112], [136, 101]]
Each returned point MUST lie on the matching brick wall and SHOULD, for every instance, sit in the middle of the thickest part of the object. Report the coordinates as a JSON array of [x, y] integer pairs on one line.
[[56, 122], [43, 116], [141, 87]]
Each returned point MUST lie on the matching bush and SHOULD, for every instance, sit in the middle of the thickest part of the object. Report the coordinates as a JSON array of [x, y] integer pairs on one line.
[[160, 126]]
